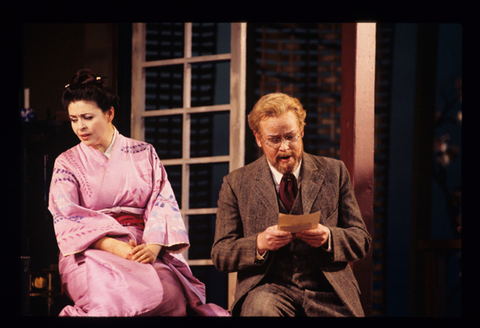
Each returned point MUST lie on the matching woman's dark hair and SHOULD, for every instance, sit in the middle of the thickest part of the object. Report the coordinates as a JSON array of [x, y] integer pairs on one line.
[[88, 86]]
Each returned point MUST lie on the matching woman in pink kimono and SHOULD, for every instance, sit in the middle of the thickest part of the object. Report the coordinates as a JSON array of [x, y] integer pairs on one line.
[[117, 223]]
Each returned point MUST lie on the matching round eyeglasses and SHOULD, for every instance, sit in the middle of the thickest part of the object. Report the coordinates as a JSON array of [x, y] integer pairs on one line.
[[276, 142]]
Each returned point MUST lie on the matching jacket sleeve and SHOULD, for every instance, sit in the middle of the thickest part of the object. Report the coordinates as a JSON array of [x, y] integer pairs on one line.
[[350, 238], [232, 251]]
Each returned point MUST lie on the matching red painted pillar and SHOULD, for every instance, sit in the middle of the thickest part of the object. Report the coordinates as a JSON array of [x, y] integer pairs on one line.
[[357, 132]]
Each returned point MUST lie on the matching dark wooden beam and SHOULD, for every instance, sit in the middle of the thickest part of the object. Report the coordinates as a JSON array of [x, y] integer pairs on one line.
[[422, 174]]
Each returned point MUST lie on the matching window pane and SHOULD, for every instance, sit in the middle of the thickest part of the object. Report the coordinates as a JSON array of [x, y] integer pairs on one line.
[[174, 173], [201, 234], [164, 41], [210, 83], [205, 183], [164, 87], [165, 134], [216, 284], [210, 39], [209, 134]]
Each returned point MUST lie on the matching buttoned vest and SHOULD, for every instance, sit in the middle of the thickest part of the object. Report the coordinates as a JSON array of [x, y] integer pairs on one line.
[[296, 263]]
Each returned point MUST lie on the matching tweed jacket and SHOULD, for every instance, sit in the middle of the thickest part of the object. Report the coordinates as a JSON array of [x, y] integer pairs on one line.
[[248, 204]]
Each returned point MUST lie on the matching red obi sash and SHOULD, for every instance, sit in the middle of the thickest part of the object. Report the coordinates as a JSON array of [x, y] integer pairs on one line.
[[129, 219]]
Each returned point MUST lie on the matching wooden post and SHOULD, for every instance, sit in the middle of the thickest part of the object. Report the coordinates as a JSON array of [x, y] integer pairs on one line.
[[357, 132], [238, 73]]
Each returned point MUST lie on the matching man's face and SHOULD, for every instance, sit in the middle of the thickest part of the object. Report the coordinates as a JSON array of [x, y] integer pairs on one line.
[[285, 156]]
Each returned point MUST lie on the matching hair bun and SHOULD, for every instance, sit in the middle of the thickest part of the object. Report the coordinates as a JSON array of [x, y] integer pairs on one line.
[[84, 77], [88, 86]]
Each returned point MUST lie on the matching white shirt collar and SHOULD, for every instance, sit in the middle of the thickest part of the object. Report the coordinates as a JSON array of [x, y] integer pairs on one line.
[[277, 176], [108, 152]]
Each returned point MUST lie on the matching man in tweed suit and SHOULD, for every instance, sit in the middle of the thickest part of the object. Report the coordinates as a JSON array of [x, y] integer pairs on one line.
[[280, 273]]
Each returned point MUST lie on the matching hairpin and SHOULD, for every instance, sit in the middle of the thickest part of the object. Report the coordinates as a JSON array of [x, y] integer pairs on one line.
[[98, 78]]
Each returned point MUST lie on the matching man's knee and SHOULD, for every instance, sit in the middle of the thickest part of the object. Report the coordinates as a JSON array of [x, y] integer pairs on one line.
[[266, 301]]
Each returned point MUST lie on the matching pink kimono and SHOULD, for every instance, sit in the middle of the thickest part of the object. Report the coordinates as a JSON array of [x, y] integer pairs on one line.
[[86, 189]]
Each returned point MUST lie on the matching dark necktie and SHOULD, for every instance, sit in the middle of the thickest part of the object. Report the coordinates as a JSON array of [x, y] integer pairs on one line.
[[288, 190]]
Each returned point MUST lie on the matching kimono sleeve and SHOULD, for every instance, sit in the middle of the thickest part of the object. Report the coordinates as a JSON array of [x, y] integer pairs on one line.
[[163, 221], [76, 227]]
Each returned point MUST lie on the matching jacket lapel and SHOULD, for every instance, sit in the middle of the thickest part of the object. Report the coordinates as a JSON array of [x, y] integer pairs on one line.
[[264, 192], [265, 197], [312, 180]]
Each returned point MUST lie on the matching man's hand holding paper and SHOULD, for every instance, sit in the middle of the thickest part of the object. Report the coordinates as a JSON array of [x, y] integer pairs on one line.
[[314, 237], [305, 227], [272, 239]]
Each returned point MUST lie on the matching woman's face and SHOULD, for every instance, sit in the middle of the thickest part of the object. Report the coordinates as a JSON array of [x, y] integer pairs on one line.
[[91, 125]]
